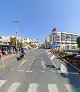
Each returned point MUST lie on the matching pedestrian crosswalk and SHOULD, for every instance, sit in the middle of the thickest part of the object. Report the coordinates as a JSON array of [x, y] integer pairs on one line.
[[2, 82], [33, 87], [14, 87], [52, 87]]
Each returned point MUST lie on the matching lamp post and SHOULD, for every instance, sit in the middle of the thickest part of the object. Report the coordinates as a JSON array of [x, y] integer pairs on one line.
[[16, 22]]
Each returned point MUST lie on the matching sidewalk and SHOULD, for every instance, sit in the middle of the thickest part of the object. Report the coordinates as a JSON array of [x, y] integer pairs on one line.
[[7, 56], [2, 62]]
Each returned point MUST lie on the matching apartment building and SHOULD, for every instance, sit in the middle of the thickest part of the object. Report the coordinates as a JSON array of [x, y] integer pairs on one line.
[[63, 40], [4, 40], [48, 42]]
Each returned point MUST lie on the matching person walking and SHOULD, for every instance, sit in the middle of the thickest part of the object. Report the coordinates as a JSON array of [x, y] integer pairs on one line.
[[0, 55]]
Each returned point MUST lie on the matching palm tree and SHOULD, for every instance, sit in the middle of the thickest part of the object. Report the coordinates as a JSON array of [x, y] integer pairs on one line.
[[78, 42]]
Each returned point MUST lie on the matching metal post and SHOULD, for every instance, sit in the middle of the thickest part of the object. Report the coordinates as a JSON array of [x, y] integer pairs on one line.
[[16, 22]]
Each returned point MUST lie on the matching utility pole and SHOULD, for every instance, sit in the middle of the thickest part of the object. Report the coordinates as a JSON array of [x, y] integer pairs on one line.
[[16, 22]]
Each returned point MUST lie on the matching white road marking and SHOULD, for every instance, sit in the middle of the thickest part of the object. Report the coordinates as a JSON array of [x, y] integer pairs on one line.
[[20, 70], [49, 53], [21, 64], [28, 71], [52, 71], [70, 88], [14, 87], [52, 88], [54, 65], [63, 69], [53, 62], [31, 64], [2, 82], [41, 71], [43, 63], [33, 87], [52, 57], [12, 69]]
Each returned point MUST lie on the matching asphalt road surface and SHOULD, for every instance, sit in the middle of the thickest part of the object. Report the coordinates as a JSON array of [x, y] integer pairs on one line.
[[39, 71]]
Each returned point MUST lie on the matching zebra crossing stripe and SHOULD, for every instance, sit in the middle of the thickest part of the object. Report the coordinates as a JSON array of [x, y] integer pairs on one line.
[[32, 87], [14, 87], [52, 88], [70, 88], [2, 82]]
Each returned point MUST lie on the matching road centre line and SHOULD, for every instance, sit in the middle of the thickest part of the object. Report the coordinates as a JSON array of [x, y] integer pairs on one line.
[[43, 63], [31, 64], [23, 62]]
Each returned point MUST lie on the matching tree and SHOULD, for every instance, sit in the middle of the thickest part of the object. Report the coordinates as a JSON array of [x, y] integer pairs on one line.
[[78, 42], [12, 41]]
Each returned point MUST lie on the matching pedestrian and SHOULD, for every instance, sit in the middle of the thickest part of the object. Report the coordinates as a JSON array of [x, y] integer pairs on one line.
[[0, 55]]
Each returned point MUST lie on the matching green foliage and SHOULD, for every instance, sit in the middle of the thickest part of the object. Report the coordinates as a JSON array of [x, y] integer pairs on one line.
[[78, 41]]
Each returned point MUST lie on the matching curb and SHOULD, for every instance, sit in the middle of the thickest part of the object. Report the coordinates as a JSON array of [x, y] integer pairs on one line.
[[68, 63]]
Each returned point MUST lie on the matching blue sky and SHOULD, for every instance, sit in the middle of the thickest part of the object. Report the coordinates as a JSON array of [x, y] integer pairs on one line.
[[39, 17]]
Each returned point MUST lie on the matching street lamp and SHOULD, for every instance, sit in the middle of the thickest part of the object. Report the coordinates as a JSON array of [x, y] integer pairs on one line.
[[16, 22]]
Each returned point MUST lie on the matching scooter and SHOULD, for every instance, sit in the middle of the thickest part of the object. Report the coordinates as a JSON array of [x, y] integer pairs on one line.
[[22, 55]]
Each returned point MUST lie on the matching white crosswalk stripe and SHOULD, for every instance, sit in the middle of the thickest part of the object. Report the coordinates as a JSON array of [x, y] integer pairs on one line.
[[52, 88], [14, 87], [2, 82], [33, 87], [70, 88]]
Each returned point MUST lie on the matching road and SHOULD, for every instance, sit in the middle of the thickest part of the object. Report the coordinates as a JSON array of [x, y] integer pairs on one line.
[[39, 71]]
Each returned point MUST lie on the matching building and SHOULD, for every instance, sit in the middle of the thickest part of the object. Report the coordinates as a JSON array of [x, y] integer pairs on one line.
[[63, 40], [48, 42], [35, 44], [4, 40], [27, 40]]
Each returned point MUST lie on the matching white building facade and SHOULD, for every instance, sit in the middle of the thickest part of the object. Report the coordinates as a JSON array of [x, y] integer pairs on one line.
[[63, 40], [4, 40]]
